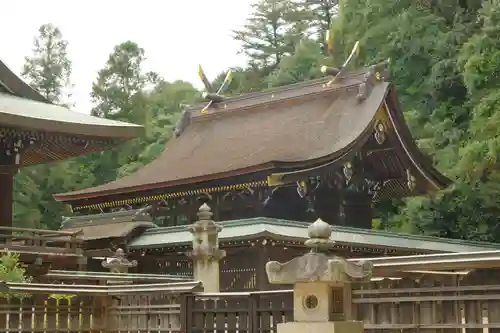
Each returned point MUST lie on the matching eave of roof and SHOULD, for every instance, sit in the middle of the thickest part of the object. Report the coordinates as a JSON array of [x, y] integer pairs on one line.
[[293, 230], [24, 108], [101, 290], [30, 115], [108, 225], [132, 277], [419, 160], [133, 215]]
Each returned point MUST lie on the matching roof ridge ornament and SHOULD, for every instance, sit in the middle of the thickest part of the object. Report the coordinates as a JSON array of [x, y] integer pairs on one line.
[[183, 122], [376, 73], [209, 94], [338, 72]]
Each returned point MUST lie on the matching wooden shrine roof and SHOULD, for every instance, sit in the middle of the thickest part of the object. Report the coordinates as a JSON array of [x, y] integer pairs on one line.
[[290, 128], [293, 230], [108, 225], [58, 132]]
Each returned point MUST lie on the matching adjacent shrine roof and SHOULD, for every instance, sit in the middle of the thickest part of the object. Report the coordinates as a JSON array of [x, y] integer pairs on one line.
[[54, 132], [292, 230], [288, 129], [108, 225]]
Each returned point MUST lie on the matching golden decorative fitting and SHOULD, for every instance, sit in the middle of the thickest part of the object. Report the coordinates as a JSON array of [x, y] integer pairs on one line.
[[380, 133], [411, 181], [213, 97], [348, 172]]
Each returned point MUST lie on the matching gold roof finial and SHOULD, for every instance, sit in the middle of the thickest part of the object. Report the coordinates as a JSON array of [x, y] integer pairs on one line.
[[332, 71], [209, 94]]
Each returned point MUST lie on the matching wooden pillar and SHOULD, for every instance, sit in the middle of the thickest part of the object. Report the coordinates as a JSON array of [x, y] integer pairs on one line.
[[262, 257], [327, 205], [357, 210], [6, 195]]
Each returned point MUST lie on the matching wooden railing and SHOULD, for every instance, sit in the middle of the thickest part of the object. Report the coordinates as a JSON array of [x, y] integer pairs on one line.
[[425, 303], [39, 241], [430, 303], [89, 308], [238, 312], [44, 313], [460, 302]]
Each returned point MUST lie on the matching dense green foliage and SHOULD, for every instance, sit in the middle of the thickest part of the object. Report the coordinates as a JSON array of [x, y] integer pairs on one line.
[[11, 271], [445, 63]]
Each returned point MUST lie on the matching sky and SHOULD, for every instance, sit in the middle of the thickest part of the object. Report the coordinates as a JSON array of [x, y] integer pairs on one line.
[[176, 35]]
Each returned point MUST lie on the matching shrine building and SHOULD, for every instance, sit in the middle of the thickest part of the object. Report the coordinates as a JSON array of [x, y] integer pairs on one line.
[[268, 164]]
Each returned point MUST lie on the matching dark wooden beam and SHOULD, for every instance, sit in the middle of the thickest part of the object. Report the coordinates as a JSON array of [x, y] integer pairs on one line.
[[6, 188]]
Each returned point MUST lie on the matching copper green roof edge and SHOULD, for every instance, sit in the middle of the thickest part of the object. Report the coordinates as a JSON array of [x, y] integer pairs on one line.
[[355, 231], [38, 116], [80, 124], [135, 215], [131, 276]]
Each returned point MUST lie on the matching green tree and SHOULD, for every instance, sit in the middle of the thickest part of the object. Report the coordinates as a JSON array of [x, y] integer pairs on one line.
[[304, 64], [322, 14], [118, 90], [164, 105], [119, 93], [481, 67], [48, 69], [11, 271], [271, 32]]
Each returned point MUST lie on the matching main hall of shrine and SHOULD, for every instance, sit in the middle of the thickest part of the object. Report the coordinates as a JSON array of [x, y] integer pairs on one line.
[[267, 163]]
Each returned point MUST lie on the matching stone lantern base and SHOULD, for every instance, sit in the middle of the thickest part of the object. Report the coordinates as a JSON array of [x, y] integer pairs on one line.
[[321, 286]]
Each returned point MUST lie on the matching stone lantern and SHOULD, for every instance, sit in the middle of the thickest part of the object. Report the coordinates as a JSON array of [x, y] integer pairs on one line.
[[118, 264], [321, 286], [206, 252]]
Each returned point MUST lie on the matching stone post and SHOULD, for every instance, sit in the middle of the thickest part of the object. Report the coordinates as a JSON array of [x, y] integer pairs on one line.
[[321, 286], [206, 253], [118, 264]]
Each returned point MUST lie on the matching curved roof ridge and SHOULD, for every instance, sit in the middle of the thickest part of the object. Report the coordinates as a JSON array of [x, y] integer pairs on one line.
[[333, 121]]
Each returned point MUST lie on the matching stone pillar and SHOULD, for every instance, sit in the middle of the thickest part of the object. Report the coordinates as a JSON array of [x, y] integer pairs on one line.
[[321, 292], [206, 253], [118, 264]]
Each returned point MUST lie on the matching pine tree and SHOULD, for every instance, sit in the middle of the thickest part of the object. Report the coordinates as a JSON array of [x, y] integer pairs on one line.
[[272, 31], [119, 93], [48, 69]]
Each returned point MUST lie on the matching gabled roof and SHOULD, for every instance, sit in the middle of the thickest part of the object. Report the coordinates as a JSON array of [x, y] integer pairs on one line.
[[291, 128], [293, 230], [108, 225], [59, 132]]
